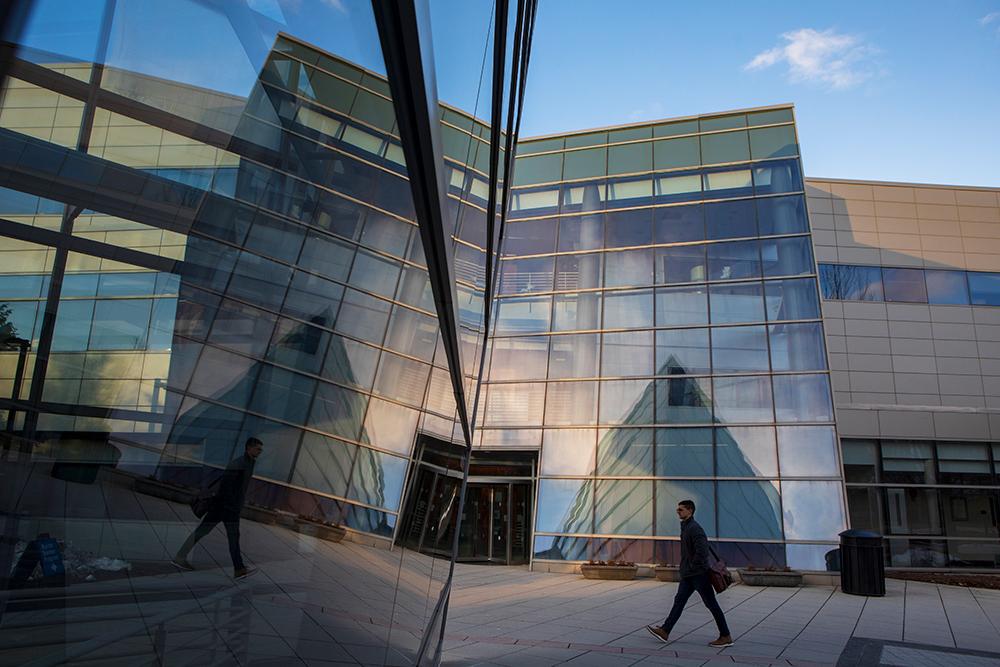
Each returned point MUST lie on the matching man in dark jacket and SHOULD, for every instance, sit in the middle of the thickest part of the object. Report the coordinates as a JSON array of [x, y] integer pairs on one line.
[[694, 577], [226, 507]]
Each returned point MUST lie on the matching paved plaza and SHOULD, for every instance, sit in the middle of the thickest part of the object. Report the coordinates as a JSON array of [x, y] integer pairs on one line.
[[319, 603]]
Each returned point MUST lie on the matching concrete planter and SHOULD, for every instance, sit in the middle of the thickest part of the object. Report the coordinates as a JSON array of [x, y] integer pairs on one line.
[[609, 572], [667, 573], [776, 578], [259, 514], [319, 530], [172, 492]]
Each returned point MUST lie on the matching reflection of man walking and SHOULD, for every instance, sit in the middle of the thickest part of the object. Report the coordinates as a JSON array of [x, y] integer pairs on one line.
[[226, 507], [694, 577]]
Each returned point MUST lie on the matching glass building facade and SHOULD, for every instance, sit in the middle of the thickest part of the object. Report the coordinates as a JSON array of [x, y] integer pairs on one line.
[[659, 337]]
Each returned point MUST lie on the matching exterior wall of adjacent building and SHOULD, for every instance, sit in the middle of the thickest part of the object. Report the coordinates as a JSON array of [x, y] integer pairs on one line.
[[916, 376]]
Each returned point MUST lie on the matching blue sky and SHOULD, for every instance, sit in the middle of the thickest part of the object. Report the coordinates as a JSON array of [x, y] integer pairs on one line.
[[885, 90], [898, 91]]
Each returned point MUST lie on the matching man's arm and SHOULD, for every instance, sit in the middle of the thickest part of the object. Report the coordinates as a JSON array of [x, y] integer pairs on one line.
[[700, 546], [229, 488]]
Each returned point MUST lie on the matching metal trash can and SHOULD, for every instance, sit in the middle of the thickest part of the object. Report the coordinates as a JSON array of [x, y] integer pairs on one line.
[[862, 563]]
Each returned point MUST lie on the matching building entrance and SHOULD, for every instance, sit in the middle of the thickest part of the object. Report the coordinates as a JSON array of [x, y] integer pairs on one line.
[[496, 519]]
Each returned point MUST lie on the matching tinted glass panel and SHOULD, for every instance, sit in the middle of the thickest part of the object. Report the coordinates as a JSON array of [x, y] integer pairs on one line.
[[683, 401], [523, 315], [627, 353], [585, 163], [574, 356], [985, 288], [731, 219], [628, 310], [724, 147], [773, 142], [682, 264], [570, 403], [781, 215], [733, 260], [678, 223], [630, 158], [581, 233], [577, 312], [628, 228], [568, 451], [624, 507], [946, 287], [625, 452], [671, 492], [797, 347], [812, 510], [904, 285], [787, 257], [530, 238], [579, 271], [565, 506], [628, 268], [808, 451], [674, 153]]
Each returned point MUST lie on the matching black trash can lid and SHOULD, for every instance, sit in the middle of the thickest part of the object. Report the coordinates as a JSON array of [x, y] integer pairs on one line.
[[857, 532]]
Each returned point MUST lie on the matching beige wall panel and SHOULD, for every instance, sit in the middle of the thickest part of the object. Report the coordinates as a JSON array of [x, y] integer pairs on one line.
[[895, 210], [855, 223], [817, 205], [905, 424], [934, 195], [817, 188], [979, 214], [861, 423], [944, 260], [899, 241], [977, 197], [937, 212], [821, 221], [894, 193], [976, 262], [896, 226], [901, 258], [853, 207], [939, 227], [851, 191]]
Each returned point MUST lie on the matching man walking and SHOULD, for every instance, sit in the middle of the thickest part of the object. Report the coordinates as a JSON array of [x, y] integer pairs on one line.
[[226, 507], [694, 577]]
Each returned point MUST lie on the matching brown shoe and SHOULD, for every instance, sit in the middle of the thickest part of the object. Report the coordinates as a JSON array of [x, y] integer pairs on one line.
[[722, 642], [659, 633]]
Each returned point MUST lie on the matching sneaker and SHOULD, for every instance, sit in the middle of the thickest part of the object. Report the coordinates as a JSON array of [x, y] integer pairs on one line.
[[182, 564], [659, 633], [244, 572], [722, 642]]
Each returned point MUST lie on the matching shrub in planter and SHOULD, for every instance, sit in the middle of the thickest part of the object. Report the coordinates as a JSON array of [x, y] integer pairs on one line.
[[664, 572], [770, 576], [614, 570]]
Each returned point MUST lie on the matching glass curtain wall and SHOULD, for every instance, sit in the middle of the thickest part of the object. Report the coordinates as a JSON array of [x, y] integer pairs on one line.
[[660, 279], [210, 239]]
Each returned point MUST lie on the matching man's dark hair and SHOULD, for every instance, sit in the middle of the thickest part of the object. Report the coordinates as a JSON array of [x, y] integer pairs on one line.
[[253, 441], [688, 504]]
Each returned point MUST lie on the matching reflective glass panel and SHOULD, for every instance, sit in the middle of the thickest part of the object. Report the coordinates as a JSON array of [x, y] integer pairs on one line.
[[577, 312], [570, 403], [741, 302], [673, 224], [733, 260], [731, 219], [683, 401], [523, 315], [851, 283], [684, 452], [584, 232], [674, 153], [627, 353], [626, 402], [808, 451], [579, 271], [680, 264], [623, 507], [378, 479], [573, 356], [628, 310], [787, 257], [746, 451], [565, 506], [682, 352], [777, 177], [530, 238], [813, 510], [671, 492], [984, 288], [946, 287], [522, 276], [625, 452], [791, 299], [749, 510], [739, 349], [802, 398], [743, 399], [679, 306], [767, 142], [628, 228], [630, 158], [781, 215], [904, 285], [628, 268], [519, 358], [797, 347], [724, 147], [568, 451], [586, 163]]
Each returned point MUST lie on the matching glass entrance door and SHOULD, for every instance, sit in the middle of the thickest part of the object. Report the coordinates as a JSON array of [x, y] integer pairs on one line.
[[495, 523]]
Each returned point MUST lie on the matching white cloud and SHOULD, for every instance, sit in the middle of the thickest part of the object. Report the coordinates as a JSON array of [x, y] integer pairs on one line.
[[837, 60], [990, 18]]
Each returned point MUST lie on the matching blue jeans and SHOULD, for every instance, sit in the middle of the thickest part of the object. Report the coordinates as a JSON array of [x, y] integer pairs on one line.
[[687, 587]]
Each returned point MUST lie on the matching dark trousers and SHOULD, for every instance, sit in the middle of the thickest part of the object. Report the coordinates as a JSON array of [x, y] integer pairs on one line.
[[205, 527], [687, 587]]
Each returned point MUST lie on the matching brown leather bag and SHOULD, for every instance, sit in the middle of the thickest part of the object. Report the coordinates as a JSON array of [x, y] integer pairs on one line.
[[718, 574]]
